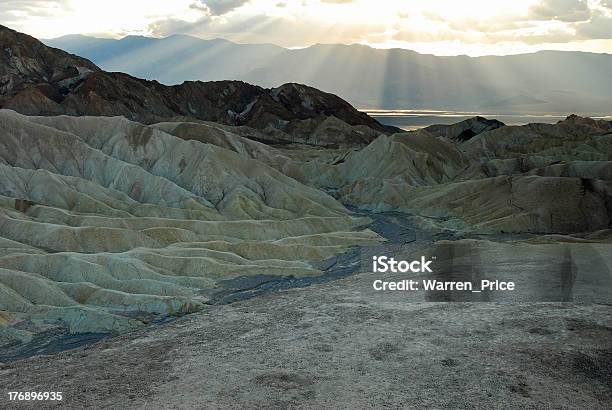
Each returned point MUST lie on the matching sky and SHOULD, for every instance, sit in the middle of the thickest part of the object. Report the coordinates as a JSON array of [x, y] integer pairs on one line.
[[441, 27]]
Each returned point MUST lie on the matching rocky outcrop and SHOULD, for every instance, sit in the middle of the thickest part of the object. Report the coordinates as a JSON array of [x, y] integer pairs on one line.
[[38, 80], [575, 138], [414, 159], [28, 69], [464, 130], [229, 138], [538, 178]]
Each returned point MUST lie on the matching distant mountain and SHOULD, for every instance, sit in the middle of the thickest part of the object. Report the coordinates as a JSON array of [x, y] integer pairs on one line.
[[543, 82], [170, 60], [39, 80]]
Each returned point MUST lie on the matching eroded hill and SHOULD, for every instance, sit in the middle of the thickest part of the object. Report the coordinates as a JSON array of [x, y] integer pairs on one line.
[[40, 80], [108, 223]]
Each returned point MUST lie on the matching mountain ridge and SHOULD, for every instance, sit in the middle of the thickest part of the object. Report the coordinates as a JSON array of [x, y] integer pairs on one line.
[[546, 81], [91, 37], [39, 80]]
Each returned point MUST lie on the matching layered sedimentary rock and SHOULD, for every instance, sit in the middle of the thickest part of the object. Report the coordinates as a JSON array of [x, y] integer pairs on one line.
[[538, 178], [362, 177], [575, 138], [464, 130], [238, 139], [578, 149], [39, 80], [107, 223]]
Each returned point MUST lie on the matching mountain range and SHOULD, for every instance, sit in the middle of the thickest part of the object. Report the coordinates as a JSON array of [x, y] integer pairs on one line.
[[40, 80], [544, 82]]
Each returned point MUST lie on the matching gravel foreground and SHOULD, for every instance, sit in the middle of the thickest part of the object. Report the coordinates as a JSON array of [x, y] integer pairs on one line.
[[340, 345]]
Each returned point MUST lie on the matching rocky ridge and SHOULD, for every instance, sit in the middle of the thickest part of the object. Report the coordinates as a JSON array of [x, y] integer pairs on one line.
[[464, 130], [39, 80], [536, 178]]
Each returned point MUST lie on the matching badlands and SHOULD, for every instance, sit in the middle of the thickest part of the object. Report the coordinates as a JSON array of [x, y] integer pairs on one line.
[[107, 223], [126, 205]]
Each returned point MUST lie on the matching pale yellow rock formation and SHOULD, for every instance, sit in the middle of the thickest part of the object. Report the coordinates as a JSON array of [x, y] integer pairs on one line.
[[486, 185], [106, 224]]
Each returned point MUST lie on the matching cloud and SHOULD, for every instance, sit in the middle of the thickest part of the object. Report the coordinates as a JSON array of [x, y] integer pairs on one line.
[[283, 31], [501, 24], [434, 34], [167, 27], [299, 23], [11, 9], [210, 9], [218, 7], [566, 23], [562, 10], [599, 27]]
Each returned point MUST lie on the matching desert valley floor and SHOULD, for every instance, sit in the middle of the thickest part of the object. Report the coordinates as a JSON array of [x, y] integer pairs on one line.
[[339, 345]]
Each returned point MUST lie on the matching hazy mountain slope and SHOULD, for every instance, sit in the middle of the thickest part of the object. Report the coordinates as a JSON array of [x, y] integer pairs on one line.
[[170, 60], [540, 82], [38, 80], [548, 81]]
